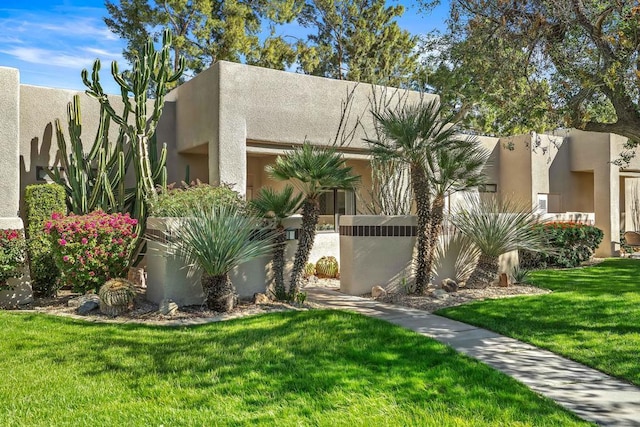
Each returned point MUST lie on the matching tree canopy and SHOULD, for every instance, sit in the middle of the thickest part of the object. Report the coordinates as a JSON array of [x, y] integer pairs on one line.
[[206, 31], [358, 40], [540, 64]]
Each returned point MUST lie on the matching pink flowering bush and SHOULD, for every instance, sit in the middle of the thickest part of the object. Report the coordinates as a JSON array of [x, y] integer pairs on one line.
[[12, 259], [91, 249]]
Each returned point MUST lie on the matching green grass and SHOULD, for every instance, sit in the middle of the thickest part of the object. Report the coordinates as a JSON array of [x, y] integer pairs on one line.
[[593, 316], [297, 368]]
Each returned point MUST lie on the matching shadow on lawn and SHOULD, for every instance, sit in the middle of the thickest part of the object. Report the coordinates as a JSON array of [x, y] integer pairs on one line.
[[592, 316], [277, 360]]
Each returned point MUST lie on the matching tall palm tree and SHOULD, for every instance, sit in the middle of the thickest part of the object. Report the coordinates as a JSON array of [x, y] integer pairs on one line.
[[278, 205], [411, 135], [496, 227], [452, 169], [313, 170], [216, 240]]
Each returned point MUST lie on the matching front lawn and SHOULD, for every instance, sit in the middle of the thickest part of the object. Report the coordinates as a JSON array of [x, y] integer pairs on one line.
[[593, 316], [296, 368]]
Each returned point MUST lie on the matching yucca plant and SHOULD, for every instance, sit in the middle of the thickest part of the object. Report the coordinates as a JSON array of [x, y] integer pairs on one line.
[[496, 226], [411, 135], [313, 170], [217, 239], [276, 206]]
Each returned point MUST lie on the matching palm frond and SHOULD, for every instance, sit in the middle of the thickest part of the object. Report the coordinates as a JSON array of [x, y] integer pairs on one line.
[[277, 205], [313, 170], [458, 167]]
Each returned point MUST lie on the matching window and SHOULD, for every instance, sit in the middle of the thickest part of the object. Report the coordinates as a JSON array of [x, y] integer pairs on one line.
[[488, 188], [543, 203], [334, 203]]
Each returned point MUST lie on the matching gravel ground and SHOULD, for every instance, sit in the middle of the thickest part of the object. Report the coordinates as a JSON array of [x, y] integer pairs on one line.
[[462, 296], [147, 312]]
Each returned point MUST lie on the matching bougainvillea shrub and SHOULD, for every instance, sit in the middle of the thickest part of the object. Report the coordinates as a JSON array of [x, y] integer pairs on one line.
[[12, 259], [571, 244], [91, 249]]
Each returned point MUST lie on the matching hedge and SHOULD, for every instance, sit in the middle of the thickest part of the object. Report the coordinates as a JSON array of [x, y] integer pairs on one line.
[[570, 244], [42, 200]]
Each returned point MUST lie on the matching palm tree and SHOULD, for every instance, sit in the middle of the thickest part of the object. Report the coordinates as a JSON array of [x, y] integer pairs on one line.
[[313, 170], [452, 169], [277, 206], [411, 135], [216, 240], [496, 227]]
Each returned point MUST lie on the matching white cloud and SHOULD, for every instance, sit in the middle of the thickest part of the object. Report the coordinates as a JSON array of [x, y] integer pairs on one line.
[[48, 57]]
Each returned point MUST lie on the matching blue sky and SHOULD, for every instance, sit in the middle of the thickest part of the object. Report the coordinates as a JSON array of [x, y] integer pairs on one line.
[[51, 41]]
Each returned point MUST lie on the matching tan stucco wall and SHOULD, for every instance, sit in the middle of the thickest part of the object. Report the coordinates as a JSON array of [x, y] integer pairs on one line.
[[232, 104], [9, 141], [515, 168]]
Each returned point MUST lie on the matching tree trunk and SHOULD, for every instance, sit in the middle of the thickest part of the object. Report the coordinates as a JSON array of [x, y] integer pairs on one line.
[[310, 215], [219, 293], [484, 274], [435, 222], [420, 185], [280, 291]]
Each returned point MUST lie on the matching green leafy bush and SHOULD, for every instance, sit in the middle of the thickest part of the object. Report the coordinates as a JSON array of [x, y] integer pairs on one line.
[[181, 201], [570, 243], [91, 249], [42, 200], [12, 259]]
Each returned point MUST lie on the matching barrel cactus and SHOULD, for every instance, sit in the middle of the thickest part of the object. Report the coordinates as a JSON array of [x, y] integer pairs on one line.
[[327, 267], [116, 297], [310, 269]]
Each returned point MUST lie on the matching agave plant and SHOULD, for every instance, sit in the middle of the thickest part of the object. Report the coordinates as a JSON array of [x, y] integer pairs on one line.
[[496, 226], [216, 240], [277, 206], [313, 170]]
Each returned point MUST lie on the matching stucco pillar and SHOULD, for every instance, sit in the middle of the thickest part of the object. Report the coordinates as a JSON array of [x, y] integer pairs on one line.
[[228, 164], [9, 142], [606, 189]]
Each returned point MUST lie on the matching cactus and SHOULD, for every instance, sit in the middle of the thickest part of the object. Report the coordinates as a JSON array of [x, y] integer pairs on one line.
[[310, 269], [97, 179], [116, 297], [327, 267]]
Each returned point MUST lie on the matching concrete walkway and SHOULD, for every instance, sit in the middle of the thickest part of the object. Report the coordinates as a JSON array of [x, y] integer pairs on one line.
[[588, 393]]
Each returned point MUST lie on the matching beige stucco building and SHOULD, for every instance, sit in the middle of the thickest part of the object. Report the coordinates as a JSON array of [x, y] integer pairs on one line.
[[232, 120]]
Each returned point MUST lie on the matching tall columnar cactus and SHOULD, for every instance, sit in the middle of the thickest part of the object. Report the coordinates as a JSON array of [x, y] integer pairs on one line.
[[94, 180], [97, 179], [152, 71]]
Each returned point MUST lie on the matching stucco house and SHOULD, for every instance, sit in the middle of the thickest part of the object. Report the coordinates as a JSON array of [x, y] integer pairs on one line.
[[232, 120]]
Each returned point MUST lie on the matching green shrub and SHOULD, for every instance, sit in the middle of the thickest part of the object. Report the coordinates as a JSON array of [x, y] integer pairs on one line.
[[570, 243], [181, 201], [42, 200]]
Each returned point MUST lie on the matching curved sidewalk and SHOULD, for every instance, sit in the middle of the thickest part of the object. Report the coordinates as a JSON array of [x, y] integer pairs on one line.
[[588, 393]]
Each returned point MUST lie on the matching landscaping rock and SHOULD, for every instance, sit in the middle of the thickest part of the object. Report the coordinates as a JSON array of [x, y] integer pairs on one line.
[[260, 298], [168, 307], [87, 303], [449, 285], [504, 281], [378, 291], [137, 276], [440, 294]]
